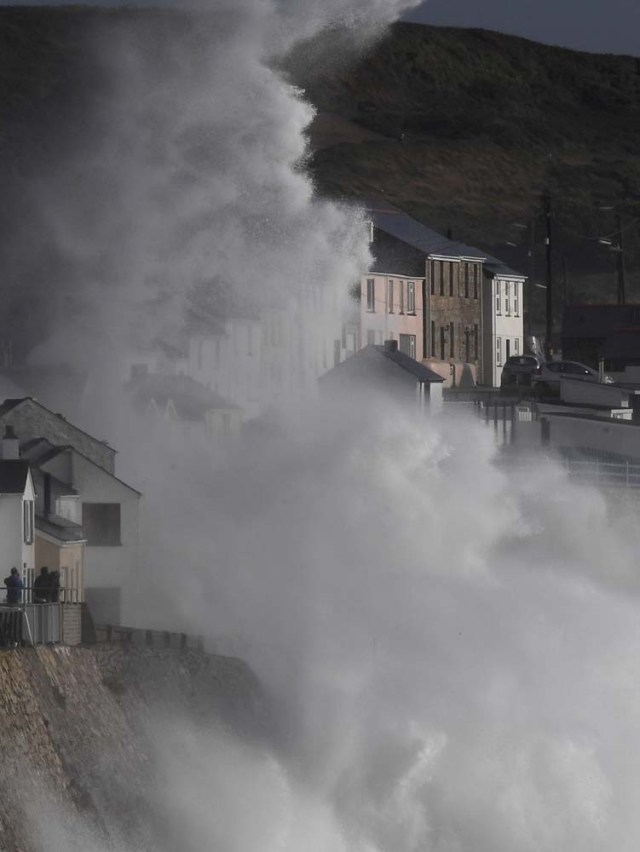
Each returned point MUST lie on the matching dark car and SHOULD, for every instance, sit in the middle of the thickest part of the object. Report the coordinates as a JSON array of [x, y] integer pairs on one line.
[[518, 371]]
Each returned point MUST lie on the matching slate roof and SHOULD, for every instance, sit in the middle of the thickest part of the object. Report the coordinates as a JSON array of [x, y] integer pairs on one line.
[[13, 476], [397, 224], [358, 365], [495, 266], [191, 399], [406, 362]]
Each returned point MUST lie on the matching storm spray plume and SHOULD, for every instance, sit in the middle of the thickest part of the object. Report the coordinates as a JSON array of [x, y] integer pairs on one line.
[[448, 666]]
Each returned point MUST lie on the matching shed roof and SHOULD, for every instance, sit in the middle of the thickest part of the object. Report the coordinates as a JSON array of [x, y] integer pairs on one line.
[[358, 366], [406, 362]]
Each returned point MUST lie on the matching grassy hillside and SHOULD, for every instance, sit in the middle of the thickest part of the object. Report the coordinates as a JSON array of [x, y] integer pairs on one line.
[[464, 129], [468, 128]]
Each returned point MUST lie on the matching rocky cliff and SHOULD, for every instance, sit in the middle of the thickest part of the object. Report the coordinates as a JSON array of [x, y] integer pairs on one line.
[[82, 730]]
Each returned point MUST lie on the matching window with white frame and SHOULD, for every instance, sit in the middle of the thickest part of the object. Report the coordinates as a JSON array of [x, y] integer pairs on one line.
[[499, 351], [516, 301], [498, 303], [516, 346], [371, 294], [407, 344], [400, 297], [28, 521], [507, 298], [411, 297], [390, 296]]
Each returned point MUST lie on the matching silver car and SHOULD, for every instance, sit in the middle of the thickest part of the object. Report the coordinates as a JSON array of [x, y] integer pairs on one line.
[[546, 381]]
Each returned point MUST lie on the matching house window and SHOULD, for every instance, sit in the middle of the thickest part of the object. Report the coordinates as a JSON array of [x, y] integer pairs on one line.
[[441, 273], [433, 277], [451, 276], [498, 311], [400, 297], [371, 337], [101, 524], [476, 281], [475, 341], [433, 339], [516, 302], [390, 296], [499, 351], [516, 345], [452, 346], [466, 280], [442, 341], [407, 344], [27, 521], [371, 294], [411, 297], [507, 299]]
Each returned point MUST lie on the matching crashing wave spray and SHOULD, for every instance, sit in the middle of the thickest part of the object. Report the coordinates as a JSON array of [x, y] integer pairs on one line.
[[439, 686]]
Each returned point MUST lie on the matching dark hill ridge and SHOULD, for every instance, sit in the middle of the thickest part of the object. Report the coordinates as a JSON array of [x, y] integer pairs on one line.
[[488, 122]]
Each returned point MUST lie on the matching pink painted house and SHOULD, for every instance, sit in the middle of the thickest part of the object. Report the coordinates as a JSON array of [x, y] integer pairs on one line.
[[392, 308]]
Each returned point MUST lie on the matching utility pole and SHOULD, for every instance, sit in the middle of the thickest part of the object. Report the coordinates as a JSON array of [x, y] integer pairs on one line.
[[549, 330], [621, 271]]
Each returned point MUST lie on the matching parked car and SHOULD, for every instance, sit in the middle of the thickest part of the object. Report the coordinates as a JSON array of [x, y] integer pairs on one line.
[[546, 381], [518, 371]]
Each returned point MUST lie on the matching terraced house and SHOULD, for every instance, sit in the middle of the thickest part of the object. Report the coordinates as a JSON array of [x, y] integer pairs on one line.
[[436, 297]]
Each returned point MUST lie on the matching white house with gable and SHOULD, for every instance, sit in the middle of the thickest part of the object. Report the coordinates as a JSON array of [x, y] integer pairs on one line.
[[17, 507], [502, 318]]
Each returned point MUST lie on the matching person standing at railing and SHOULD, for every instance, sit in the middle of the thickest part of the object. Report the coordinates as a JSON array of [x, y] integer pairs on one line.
[[42, 586], [14, 585], [54, 596]]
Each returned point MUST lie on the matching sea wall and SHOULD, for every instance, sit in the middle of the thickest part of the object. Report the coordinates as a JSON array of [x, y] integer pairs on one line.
[[78, 740]]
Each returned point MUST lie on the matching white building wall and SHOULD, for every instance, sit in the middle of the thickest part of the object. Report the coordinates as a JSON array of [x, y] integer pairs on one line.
[[110, 566], [502, 325], [14, 552]]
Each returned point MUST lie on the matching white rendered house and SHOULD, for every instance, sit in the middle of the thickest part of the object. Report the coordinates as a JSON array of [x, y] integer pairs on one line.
[[502, 319]]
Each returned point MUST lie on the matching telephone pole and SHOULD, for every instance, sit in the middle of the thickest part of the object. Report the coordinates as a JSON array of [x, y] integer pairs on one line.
[[549, 303], [621, 271]]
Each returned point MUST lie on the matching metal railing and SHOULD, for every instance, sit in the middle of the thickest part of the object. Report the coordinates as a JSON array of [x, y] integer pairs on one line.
[[30, 624], [593, 471]]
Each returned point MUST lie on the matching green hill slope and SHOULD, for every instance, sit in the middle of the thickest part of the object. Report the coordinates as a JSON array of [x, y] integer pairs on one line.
[[471, 127]]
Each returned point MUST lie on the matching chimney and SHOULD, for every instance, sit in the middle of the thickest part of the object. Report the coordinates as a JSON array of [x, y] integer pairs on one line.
[[10, 445], [391, 346]]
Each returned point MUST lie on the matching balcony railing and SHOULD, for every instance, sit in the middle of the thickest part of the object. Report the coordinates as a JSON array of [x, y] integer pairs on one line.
[[32, 622]]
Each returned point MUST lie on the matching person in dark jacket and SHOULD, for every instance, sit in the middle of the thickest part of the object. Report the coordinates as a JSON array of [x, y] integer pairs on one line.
[[42, 586], [54, 597], [14, 586]]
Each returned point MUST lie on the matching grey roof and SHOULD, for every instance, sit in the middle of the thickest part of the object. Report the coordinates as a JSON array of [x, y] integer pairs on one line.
[[422, 373], [13, 476], [397, 224], [494, 266], [191, 399], [60, 528], [357, 366]]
